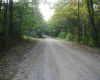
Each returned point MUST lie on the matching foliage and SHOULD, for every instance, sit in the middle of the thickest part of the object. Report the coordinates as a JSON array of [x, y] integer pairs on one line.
[[18, 18], [64, 22], [26, 19]]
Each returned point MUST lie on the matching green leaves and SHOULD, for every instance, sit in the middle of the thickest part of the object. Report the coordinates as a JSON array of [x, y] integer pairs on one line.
[[64, 22]]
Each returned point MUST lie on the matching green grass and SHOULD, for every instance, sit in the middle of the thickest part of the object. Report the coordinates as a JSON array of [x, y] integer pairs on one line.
[[30, 39], [80, 43], [11, 43]]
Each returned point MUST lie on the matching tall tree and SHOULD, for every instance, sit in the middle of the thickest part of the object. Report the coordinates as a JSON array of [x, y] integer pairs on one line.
[[83, 28], [21, 19], [5, 14], [0, 4], [0, 11], [91, 15], [78, 22], [5, 22], [11, 18]]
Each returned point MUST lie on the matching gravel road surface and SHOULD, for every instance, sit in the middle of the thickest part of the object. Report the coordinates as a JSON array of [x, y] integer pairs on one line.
[[51, 59]]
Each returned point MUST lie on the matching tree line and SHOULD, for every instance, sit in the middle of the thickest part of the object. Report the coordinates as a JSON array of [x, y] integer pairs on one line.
[[18, 18], [76, 20]]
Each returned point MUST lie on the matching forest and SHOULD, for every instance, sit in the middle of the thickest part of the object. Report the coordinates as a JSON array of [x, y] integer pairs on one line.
[[64, 47], [73, 20], [76, 20], [18, 18]]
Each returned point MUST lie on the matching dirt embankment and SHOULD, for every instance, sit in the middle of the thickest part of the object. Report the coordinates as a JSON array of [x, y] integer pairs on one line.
[[13, 56], [88, 51]]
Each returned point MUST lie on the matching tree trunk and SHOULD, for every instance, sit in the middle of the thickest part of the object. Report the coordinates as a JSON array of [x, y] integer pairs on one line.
[[0, 11], [5, 23], [78, 22], [91, 14], [21, 19], [5, 15], [0, 4], [83, 28], [11, 18]]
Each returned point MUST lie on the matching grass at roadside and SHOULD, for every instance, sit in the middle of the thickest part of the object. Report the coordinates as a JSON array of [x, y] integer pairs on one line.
[[16, 42], [13, 56], [80, 44]]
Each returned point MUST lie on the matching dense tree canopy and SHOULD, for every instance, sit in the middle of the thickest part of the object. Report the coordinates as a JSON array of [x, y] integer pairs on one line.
[[77, 20], [18, 18]]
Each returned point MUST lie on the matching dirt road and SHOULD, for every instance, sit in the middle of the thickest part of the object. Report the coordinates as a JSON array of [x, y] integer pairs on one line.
[[52, 60]]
